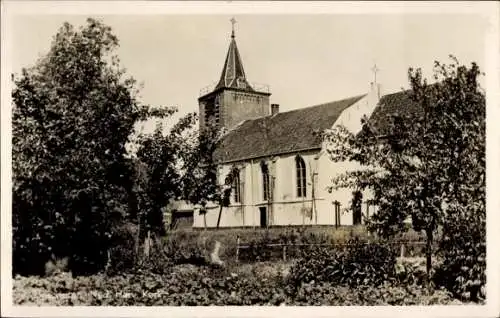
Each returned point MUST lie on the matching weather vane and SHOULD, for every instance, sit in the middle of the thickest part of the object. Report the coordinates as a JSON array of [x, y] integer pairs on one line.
[[233, 22], [375, 70]]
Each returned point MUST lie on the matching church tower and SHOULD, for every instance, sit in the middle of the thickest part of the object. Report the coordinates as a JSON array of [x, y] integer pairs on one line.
[[233, 99]]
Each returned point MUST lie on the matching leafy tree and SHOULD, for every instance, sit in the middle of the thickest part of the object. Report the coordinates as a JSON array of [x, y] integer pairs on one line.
[[428, 166], [73, 113], [200, 179], [159, 163], [200, 183]]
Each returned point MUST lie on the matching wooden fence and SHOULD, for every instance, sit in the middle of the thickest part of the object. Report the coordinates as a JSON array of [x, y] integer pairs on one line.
[[286, 246]]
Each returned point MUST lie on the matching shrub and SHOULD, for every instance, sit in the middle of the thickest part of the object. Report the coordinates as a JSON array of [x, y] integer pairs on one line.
[[464, 256], [187, 247], [122, 254], [56, 265], [327, 293], [125, 258], [357, 264], [412, 271]]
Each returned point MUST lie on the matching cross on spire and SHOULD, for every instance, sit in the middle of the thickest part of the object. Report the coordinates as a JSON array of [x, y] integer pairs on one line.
[[375, 70], [233, 22], [233, 74]]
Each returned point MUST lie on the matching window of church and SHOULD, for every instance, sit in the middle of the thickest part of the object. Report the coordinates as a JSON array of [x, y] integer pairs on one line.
[[237, 187], [300, 167], [265, 182]]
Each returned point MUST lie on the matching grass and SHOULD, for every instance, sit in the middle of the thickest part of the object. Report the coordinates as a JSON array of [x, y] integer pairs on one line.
[[257, 240]]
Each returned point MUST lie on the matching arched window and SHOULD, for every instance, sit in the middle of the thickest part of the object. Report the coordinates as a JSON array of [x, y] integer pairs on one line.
[[265, 182], [236, 186], [300, 168]]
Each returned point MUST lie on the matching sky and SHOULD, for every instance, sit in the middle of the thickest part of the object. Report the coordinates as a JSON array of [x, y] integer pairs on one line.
[[305, 59]]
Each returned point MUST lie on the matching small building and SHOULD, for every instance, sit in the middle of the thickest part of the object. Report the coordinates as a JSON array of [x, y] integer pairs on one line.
[[179, 215]]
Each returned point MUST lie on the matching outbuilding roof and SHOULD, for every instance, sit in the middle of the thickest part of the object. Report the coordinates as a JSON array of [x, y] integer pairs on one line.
[[392, 104]]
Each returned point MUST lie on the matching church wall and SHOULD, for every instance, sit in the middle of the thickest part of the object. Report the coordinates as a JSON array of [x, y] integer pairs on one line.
[[351, 119], [343, 195], [286, 208]]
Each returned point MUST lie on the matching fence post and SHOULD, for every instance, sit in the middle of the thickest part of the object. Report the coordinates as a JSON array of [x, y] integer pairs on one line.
[[284, 253], [237, 247], [402, 250], [147, 244]]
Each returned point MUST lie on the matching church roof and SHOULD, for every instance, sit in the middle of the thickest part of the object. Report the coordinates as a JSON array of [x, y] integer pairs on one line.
[[281, 133], [233, 74]]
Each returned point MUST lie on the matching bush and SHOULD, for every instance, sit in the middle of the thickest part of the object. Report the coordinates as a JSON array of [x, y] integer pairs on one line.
[[412, 271], [326, 293], [56, 265], [124, 258], [357, 264], [464, 256], [122, 254], [185, 248]]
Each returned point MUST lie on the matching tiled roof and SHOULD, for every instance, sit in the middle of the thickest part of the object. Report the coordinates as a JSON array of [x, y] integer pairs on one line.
[[281, 133], [392, 104]]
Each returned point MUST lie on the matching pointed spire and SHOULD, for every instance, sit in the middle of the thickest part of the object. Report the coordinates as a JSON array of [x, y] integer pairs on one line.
[[233, 74]]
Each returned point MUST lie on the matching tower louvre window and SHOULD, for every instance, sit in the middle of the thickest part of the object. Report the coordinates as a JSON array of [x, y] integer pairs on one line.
[[217, 110]]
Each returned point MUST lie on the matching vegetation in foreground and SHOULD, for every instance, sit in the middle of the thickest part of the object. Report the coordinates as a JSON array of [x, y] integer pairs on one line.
[[362, 276], [187, 286]]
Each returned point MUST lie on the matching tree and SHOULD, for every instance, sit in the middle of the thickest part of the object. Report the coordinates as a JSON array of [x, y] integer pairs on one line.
[[159, 160], [428, 166], [73, 113], [223, 193], [200, 179], [200, 183]]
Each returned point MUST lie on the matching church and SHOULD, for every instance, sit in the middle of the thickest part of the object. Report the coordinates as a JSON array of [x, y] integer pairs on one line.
[[282, 168]]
